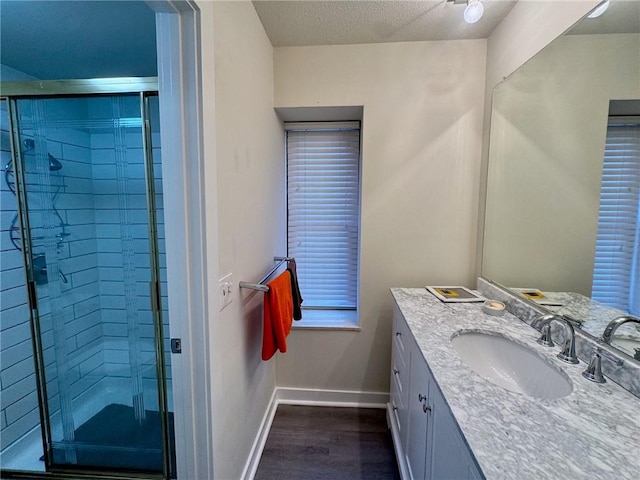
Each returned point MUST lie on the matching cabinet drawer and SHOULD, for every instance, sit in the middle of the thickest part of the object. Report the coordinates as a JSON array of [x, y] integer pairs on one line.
[[399, 382], [399, 378], [398, 398], [401, 339]]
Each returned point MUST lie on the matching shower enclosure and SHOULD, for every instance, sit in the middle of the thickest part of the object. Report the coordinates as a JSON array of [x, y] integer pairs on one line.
[[84, 375]]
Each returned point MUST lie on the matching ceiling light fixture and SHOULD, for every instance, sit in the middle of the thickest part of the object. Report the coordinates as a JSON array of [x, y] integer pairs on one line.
[[474, 11], [599, 10]]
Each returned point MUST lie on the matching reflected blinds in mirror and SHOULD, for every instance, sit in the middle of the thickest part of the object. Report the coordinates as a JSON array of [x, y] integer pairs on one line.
[[616, 279]]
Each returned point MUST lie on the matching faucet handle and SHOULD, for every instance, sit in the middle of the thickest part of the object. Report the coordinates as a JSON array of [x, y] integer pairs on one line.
[[545, 338], [594, 370]]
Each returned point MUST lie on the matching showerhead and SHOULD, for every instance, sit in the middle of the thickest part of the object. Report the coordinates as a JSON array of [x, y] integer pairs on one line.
[[54, 163]]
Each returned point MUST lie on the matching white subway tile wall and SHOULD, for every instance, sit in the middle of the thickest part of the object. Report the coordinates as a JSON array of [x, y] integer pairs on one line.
[[80, 297], [110, 266], [18, 404]]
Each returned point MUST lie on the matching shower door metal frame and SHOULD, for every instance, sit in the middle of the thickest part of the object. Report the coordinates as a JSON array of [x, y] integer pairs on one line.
[[155, 294], [25, 236], [145, 87], [90, 86]]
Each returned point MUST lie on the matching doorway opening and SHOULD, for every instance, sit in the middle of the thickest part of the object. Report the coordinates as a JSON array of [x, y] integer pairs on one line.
[[87, 381]]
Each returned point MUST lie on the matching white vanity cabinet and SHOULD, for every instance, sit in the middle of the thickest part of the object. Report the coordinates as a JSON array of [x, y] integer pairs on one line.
[[428, 442]]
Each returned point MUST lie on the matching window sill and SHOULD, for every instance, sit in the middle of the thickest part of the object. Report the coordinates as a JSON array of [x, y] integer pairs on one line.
[[328, 320]]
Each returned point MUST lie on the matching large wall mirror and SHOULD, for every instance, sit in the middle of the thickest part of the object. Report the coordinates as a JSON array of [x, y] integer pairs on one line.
[[559, 123]]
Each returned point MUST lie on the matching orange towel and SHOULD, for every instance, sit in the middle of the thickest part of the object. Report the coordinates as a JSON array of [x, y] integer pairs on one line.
[[278, 315]]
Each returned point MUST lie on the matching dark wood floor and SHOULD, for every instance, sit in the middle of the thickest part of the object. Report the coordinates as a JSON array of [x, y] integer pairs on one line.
[[328, 443]]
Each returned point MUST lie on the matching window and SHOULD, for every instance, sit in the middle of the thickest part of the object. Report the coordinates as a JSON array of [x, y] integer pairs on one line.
[[616, 276], [323, 215]]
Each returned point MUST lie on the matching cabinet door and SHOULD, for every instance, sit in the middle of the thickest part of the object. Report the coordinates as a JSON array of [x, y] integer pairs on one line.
[[417, 448], [450, 456]]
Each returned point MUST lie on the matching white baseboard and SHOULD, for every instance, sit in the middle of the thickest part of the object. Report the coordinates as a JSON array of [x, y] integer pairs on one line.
[[331, 398], [251, 466], [306, 396]]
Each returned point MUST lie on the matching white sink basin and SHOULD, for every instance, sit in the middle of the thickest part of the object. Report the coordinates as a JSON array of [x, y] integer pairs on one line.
[[510, 364]]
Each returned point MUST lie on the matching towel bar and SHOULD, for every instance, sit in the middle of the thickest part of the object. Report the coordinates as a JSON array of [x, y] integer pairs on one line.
[[260, 285]]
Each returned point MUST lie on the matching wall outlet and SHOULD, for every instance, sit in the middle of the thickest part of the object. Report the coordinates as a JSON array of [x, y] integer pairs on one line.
[[226, 290]]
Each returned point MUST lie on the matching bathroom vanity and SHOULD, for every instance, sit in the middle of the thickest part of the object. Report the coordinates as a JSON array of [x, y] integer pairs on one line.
[[448, 422]]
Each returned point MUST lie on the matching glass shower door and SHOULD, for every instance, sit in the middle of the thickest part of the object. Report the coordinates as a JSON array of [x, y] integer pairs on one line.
[[89, 234]]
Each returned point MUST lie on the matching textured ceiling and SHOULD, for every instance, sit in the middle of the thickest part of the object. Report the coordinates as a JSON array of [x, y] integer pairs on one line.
[[312, 22]]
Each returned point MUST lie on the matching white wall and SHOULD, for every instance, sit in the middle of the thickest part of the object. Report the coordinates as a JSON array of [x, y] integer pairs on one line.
[[548, 135], [249, 151], [420, 174]]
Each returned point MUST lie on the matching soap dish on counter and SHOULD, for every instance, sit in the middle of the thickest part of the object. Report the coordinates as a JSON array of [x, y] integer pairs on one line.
[[493, 307]]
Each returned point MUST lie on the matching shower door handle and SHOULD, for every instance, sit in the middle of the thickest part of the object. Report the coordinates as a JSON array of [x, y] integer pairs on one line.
[[33, 298], [176, 345], [154, 293]]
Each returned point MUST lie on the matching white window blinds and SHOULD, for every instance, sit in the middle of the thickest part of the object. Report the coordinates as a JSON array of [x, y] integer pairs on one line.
[[616, 278], [323, 191]]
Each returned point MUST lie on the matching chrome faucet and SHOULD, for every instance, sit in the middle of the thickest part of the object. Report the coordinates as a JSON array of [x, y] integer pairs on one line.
[[615, 323], [568, 353]]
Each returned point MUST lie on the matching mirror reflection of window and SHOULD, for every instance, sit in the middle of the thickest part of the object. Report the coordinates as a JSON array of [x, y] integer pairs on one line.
[[616, 278]]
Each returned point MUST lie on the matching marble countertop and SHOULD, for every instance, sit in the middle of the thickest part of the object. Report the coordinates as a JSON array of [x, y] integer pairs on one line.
[[592, 433]]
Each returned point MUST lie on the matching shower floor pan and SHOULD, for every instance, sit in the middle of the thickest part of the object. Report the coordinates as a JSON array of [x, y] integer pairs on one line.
[[90, 409]]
